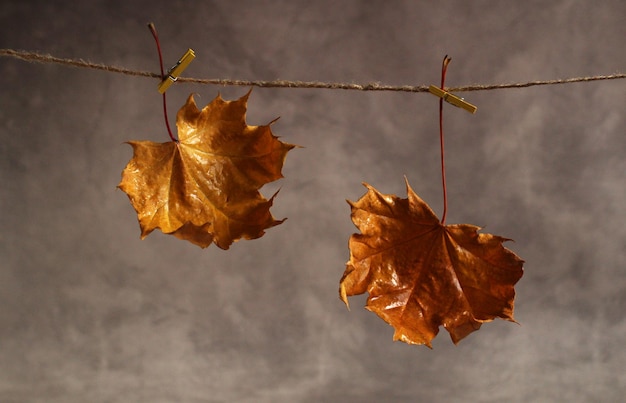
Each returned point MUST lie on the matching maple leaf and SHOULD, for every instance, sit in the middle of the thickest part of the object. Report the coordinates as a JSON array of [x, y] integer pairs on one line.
[[421, 274], [204, 188]]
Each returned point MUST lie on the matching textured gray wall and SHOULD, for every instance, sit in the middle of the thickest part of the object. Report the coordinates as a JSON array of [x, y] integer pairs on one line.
[[89, 313]]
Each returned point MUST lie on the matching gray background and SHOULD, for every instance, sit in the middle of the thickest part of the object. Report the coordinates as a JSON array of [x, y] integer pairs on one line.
[[88, 312]]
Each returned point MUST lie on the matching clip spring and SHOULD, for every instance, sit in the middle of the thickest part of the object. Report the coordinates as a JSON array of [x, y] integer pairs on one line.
[[452, 99], [176, 70]]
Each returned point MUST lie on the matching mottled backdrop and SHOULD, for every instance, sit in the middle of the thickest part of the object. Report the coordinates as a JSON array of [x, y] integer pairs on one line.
[[90, 313]]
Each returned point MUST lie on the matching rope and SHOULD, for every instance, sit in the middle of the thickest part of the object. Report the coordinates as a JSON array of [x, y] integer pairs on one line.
[[42, 58]]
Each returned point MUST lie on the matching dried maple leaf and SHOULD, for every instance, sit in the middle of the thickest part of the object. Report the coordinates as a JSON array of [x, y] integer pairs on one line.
[[204, 188], [421, 274]]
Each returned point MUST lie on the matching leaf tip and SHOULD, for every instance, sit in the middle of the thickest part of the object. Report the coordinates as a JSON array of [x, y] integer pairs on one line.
[[273, 121], [343, 296], [191, 100], [398, 335]]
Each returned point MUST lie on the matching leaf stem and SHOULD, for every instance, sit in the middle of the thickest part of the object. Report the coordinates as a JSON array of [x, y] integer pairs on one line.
[[158, 44], [444, 68]]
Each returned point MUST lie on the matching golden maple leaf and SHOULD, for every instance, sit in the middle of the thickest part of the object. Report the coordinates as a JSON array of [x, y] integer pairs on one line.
[[421, 274], [204, 188]]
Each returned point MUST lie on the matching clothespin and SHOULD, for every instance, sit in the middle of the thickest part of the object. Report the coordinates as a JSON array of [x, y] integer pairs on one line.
[[176, 70], [452, 99]]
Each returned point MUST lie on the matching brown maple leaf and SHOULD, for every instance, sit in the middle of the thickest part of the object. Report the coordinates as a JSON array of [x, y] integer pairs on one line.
[[204, 188], [421, 274]]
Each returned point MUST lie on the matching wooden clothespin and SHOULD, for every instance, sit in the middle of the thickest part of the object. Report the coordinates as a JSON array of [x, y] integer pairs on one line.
[[176, 70], [452, 99]]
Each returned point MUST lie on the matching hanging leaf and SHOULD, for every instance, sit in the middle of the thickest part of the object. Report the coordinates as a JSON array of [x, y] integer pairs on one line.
[[204, 188], [421, 274]]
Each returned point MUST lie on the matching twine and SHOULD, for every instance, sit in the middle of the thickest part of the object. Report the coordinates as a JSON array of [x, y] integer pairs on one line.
[[43, 58]]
